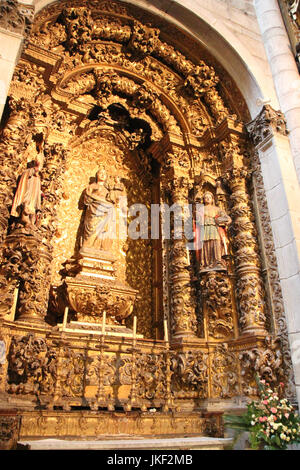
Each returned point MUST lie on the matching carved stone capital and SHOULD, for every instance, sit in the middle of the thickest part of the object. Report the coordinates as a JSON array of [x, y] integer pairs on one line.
[[15, 17], [266, 124], [236, 178]]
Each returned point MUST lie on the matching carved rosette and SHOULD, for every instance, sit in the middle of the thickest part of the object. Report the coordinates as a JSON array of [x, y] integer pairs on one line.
[[250, 291]]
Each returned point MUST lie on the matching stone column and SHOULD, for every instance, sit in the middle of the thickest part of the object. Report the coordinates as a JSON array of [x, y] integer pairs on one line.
[[283, 67], [282, 191], [15, 24], [183, 316]]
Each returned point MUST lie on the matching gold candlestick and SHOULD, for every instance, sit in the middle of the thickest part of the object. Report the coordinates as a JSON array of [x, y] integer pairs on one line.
[[103, 322], [188, 256], [166, 331], [134, 327], [65, 318], [14, 305]]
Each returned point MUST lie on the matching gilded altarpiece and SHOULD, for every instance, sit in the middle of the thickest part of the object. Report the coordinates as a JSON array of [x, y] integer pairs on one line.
[[102, 100]]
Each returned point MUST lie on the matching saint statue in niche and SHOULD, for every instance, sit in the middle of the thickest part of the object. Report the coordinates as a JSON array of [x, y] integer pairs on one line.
[[211, 240], [100, 199], [27, 200]]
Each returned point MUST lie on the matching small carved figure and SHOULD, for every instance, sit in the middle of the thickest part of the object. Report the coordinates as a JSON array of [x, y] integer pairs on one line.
[[27, 199], [100, 199], [210, 235]]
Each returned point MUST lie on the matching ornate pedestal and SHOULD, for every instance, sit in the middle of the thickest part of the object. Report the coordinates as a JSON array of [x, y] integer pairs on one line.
[[92, 289]]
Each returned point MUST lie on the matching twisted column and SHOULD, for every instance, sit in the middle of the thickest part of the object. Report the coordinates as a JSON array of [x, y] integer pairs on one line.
[[13, 142], [250, 290], [183, 316]]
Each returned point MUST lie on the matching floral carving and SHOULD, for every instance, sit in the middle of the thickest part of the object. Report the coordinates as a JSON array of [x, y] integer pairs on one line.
[[52, 181], [150, 376], [71, 371], [28, 81], [9, 431], [14, 140], [31, 366], [276, 301], [266, 362], [190, 372], [216, 291], [26, 261], [144, 39], [250, 288], [200, 80], [224, 372], [104, 369], [144, 98], [90, 302], [79, 25]]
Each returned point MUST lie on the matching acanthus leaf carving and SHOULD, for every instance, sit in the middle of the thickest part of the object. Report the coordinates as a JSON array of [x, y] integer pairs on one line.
[[225, 382], [32, 366], [265, 124], [15, 17], [265, 361], [216, 291], [190, 373]]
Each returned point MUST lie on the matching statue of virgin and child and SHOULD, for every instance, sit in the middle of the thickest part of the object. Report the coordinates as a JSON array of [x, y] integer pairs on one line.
[[100, 199]]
